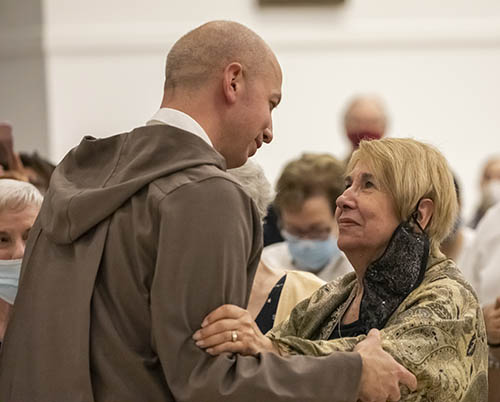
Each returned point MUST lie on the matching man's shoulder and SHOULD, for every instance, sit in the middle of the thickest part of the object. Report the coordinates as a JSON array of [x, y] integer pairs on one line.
[[200, 176]]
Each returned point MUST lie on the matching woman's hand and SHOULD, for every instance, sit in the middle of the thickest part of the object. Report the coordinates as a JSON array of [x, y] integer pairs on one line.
[[230, 328]]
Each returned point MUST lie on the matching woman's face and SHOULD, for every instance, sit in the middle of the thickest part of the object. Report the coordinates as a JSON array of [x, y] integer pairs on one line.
[[14, 229], [365, 216]]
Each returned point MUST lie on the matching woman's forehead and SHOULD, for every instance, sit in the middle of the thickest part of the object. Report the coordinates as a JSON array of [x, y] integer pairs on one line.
[[361, 167]]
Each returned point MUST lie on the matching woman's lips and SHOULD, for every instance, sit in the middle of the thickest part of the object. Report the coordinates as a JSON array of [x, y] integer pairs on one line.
[[347, 222]]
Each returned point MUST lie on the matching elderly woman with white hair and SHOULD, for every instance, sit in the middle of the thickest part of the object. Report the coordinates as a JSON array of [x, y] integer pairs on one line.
[[19, 206], [398, 206]]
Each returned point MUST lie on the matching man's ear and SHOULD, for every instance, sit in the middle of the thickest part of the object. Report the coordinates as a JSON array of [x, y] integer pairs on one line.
[[425, 211], [233, 81]]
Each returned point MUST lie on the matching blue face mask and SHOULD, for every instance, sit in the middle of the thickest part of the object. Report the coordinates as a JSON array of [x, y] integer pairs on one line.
[[311, 255], [9, 279]]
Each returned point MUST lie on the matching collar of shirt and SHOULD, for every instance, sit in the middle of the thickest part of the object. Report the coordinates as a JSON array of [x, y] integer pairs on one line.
[[178, 119]]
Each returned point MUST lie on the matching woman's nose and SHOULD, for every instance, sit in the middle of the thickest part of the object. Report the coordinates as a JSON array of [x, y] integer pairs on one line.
[[346, 199]]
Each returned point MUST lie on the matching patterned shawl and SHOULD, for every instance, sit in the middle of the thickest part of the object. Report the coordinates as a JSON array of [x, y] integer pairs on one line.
[[437, 333]]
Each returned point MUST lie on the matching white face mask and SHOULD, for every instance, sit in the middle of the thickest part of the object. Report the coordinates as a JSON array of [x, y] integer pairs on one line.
[[493, 190], [9, 279]]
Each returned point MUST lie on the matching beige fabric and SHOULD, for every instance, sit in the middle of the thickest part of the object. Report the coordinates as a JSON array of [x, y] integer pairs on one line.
[[298, 286], [437, 332]]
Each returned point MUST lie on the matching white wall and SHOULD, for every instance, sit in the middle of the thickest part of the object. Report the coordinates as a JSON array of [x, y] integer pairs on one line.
[[435, 63], [22, 74]]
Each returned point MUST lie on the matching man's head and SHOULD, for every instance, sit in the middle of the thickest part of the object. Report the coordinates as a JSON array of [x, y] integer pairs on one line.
[[227, 78], [364, 118]]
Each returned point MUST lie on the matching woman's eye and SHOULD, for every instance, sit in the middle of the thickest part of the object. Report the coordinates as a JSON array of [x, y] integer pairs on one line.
[[4, 239], [347, 185], [369, 184]]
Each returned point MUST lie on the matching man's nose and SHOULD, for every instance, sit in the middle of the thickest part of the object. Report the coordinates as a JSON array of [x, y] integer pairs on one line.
[[267, 136]]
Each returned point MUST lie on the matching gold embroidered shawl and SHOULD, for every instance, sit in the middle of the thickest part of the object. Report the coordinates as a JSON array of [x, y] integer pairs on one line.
[[437, 333]]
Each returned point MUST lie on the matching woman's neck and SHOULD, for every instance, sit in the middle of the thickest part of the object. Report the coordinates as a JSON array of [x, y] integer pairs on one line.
[[360, 266], [352, 312]]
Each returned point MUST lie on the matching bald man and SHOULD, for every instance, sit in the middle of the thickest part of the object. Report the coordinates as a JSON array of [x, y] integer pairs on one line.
[[364, 118], [143, 233]]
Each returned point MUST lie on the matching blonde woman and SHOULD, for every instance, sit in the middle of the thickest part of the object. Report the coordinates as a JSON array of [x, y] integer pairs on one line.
[[398, 205]]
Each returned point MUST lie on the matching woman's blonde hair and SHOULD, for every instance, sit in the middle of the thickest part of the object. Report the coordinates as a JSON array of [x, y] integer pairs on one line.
[[310, 175], [410, 170]]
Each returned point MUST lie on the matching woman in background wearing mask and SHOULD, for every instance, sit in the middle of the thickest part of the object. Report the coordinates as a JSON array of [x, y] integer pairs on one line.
[[19, 206], [291, 270]]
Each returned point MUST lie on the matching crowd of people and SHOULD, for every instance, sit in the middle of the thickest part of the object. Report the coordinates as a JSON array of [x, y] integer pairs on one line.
[[139, 272]]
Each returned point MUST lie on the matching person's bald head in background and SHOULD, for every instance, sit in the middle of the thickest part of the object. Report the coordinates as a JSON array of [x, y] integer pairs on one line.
[[228, 79], [365, 118]]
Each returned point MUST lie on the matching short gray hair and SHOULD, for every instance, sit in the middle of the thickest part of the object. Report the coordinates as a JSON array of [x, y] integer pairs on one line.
[[17, 195], [252, 178]]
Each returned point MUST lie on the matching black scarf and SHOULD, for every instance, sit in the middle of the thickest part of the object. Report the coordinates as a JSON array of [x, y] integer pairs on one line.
[[392, 277]]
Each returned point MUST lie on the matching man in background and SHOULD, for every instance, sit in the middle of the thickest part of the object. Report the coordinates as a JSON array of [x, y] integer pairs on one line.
[[365, 118]]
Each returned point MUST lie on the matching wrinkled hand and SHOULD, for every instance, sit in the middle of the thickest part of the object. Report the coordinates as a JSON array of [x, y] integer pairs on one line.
[[491, 314], [216, 333], [381, 374]]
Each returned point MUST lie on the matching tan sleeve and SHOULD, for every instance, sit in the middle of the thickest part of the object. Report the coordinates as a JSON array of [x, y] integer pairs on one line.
[[209, 235], [298, 286]]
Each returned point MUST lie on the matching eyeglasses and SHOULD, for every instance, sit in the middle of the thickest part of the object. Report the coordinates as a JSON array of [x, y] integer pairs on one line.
[[312, 234]]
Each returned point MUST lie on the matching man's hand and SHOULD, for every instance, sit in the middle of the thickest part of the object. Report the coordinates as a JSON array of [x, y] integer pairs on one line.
[[381, 374]]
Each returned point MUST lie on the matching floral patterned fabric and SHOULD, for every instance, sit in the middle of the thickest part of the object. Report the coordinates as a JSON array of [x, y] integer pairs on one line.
[[437, 333]]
